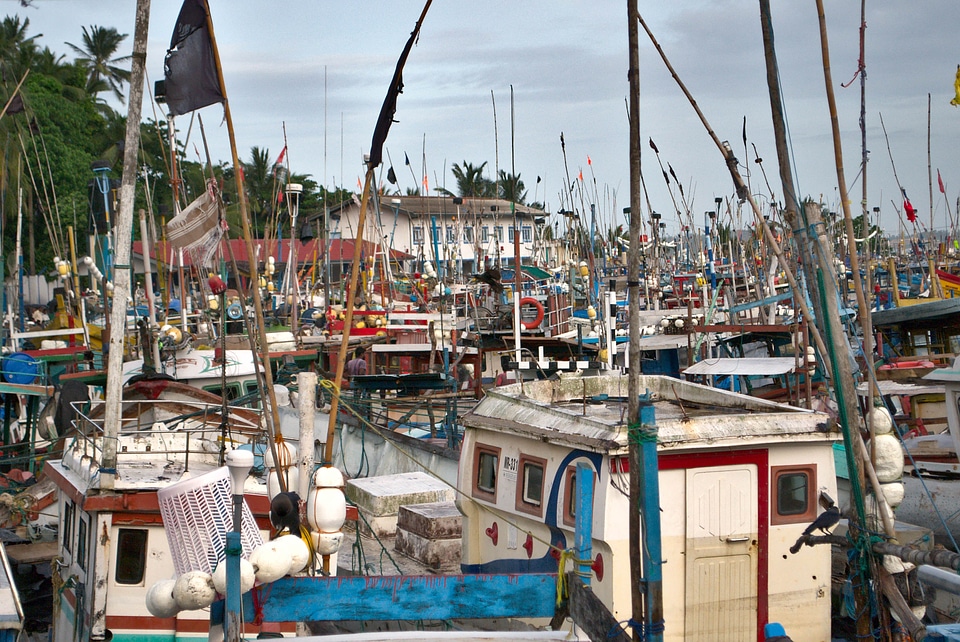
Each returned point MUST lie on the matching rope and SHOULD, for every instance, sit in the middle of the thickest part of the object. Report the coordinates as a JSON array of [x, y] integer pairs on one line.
[[562, 590], [347, 405]]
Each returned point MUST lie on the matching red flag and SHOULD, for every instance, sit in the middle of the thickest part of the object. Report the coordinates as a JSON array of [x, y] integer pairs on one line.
[[359, 184], [940, 180], [910, 210], [589, 162], [426, 183], [280, 196], [581, 174], [283, 152]]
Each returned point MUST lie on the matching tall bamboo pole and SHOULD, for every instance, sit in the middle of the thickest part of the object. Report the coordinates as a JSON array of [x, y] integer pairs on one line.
[[633, 293], [124, 234], [273, 417]]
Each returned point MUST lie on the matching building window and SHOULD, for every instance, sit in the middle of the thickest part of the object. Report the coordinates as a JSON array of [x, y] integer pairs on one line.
[[82, 543], [451, 234], [468, 235], [498, 233], [131, 555], [510, 236], [485, 234], [526, 233], [67, 530], [795, 498], [530, 485], [417, 235], [486, 466]]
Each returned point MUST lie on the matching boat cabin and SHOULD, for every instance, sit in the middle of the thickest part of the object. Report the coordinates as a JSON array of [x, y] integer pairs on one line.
[[740, 479]]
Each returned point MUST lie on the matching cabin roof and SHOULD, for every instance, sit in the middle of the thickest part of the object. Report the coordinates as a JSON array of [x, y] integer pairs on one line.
[[918, 313], [590, 413]]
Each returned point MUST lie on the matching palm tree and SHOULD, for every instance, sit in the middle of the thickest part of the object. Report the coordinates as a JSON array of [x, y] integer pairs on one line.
[[512, 188], [470, 181], [259, 179], [100, 44], [16, 49]]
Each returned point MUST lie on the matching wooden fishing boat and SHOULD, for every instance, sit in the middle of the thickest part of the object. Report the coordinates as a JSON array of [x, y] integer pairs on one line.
[[740, 478]]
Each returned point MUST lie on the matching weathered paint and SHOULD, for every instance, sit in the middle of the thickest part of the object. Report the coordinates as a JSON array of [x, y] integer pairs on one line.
[[716, 429], [421, 597]]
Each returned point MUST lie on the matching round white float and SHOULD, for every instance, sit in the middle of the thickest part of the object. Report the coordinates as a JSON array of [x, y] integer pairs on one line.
[[160, 600], [194, 590]]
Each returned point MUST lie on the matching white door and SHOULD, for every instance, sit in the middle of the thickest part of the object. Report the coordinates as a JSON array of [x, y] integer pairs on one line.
[[721, 559]]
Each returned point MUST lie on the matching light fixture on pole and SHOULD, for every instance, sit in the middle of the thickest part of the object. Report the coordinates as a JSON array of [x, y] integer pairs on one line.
[[239, 462]]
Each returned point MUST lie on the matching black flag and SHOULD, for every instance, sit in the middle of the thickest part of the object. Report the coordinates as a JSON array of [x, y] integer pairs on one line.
[[406, 159], [190, 67], [391, 176], [16, 105], [389, 107]]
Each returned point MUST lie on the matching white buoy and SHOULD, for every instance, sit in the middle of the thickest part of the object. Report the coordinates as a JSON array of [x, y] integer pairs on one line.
[[326, 505], [291, 475], [298, 551], [248, 577], [194, 590], [270, 562], [881, 420], [893, 492], [160, 600], [327, 543], [889, 457]]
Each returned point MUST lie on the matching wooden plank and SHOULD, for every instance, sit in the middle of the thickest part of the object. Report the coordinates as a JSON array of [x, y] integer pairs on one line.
[[401, 597], [592, 615], [25, 389], [33, 553]]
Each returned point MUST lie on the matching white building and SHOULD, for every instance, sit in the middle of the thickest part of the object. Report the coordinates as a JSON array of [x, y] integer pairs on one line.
[[457, 234]]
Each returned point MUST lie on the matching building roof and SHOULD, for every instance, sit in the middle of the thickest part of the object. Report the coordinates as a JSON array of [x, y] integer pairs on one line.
[[444, 205], [341, 250]]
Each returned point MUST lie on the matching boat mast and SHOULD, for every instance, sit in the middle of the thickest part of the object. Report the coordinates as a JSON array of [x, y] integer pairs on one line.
[[121, 265], [647, 604]]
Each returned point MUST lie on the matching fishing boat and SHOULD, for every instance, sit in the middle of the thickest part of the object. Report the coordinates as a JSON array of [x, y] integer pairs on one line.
[[112, 543], [740, 479]]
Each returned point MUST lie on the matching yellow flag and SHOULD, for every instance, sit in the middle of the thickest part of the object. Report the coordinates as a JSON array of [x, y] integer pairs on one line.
[[956, 88]]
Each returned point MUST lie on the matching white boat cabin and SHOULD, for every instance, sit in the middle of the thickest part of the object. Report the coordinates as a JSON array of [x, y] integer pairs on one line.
[[739, 477]]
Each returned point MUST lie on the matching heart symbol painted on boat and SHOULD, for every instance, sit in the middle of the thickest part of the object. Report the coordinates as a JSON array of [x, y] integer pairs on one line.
[[493, 533], [528, 545]]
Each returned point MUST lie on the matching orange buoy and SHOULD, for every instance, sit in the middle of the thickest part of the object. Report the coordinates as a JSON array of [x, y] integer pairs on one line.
[[528, 300]]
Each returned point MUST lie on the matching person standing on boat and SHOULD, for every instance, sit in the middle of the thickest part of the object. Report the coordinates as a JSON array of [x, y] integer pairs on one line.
[[357, 365]]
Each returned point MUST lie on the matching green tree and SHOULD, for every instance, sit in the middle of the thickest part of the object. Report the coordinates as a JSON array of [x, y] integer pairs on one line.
[[512, 188], [98, 56], [470, 180]]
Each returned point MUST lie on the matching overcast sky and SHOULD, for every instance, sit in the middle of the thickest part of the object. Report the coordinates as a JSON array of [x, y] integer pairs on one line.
[[322, 69]]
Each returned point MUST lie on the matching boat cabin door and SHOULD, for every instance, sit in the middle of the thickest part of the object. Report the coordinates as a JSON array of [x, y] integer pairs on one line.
[[722, 553]]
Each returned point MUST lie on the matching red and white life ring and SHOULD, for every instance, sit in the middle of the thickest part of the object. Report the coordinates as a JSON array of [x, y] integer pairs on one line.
[[528, 300]]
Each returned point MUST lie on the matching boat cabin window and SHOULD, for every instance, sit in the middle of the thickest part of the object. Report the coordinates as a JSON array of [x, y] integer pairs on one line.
[[82, 543], [570, 496], [67, 530], [530, 485], [795, 488], [486, 466], [131, 555], [233, 390]]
